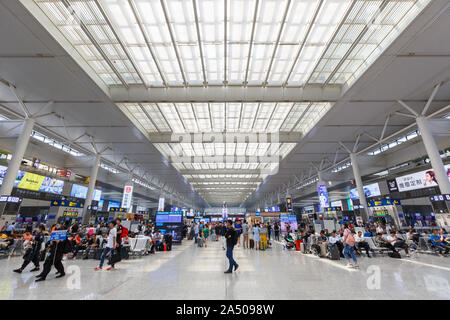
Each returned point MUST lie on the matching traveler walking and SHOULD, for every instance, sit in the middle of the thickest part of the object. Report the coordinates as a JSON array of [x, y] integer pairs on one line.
[[110, 246], [32, 253], [349, 247], [231, 240]]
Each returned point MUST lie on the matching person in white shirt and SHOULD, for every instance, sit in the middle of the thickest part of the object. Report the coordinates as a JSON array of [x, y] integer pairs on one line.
[[335, 240], [379, 228], [111, 245], [362, 244], [396, 243]]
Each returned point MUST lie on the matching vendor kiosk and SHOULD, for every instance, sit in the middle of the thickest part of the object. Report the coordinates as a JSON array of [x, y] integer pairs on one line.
[[386, 211], [64, 211], [9, 208]]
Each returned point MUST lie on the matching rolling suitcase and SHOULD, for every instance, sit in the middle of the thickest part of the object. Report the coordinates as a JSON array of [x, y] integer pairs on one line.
[[252, 244], [262, 246], [334, 253], [200, 242]]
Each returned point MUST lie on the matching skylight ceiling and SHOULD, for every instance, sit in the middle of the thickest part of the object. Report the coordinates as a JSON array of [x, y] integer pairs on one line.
[[187, 43], [242, 119], [215, 42]]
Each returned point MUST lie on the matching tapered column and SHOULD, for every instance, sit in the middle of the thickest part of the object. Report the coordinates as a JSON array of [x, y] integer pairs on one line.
[[17, 156], [91, 188], [360, 188]]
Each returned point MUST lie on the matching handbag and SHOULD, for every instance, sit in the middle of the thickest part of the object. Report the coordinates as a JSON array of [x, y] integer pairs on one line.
[[115, 257]]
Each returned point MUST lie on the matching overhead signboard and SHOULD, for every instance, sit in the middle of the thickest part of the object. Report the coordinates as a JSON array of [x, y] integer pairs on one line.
[[66, 203], [383, 202], [440, 197], [419, 180]]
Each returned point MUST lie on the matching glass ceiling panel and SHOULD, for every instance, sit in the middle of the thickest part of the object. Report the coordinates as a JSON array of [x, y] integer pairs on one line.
[[376, 25], [163, 45]]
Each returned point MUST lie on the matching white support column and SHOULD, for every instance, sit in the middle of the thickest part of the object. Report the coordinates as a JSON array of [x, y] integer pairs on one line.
[[360, 187], [91, 187], [433, 154], [17, 156]]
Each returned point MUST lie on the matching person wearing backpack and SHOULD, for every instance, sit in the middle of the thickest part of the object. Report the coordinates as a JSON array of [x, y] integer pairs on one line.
[[231, 241]]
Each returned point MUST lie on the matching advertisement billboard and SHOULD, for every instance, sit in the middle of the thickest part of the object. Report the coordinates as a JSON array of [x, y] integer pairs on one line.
[[161, 204], [419, 180], [79, 191], [127, 195], [35, 182], [323, 197], [371, 190], [51, 185]]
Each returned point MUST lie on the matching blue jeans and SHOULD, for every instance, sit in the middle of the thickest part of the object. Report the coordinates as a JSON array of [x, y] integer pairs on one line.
[[229, 255], [195, 237], [349, 249], [103, 256]]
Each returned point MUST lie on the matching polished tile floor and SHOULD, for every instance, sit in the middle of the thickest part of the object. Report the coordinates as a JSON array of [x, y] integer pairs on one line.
[[189, 272]]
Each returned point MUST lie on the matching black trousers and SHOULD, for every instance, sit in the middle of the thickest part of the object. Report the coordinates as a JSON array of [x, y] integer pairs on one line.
[[401, 245], [277, 235], [443, 247], [34, 258], [78, 248], [52, 260], [340, 247], [365, 246]]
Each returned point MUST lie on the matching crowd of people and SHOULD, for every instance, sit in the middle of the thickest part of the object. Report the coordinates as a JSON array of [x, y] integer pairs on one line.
[[348, 243], [255, 235], [100, 241], [111, 241]]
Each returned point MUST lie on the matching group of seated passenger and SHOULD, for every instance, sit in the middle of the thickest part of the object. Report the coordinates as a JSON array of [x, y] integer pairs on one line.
[[386, 237]]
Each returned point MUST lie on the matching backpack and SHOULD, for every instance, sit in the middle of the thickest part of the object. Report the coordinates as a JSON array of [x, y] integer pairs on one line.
[[124, 233], [394, 254]]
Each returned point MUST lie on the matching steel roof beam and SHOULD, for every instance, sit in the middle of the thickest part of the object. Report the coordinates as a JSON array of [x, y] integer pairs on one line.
[[228, 137], [309, 93]]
